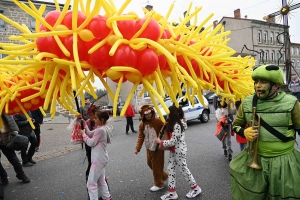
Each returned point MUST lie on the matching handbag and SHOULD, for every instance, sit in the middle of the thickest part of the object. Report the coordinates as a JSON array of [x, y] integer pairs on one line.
[[17, 142], [76, 137], [222, 134]]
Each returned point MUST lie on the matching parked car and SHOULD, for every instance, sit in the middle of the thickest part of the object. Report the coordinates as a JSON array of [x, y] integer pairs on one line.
[[107, 108], [120, 105], [210, 97], [190, 112]]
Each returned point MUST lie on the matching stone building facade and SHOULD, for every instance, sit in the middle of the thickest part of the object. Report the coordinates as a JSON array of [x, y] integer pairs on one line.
[[266, 38]]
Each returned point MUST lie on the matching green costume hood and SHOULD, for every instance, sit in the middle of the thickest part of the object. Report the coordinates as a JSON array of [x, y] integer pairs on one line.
[[270, 73]]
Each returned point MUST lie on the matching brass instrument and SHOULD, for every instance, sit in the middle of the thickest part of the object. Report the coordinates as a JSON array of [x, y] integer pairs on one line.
[[254, 144]]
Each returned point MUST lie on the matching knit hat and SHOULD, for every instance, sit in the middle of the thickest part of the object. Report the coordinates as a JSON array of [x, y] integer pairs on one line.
[[270, 73]]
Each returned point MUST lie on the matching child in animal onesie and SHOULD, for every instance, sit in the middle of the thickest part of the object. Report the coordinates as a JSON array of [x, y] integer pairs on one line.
[[149, 129]]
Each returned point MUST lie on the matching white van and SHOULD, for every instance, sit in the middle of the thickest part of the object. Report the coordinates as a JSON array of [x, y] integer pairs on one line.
[[190, 112]]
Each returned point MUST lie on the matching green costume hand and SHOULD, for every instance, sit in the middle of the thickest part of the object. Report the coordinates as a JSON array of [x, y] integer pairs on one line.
[[250, 133]]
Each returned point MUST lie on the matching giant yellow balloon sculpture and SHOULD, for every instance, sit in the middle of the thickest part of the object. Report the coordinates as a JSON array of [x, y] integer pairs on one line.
[[45, 67]]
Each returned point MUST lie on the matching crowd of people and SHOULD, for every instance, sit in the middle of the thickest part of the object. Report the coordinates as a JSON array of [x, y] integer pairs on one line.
[[265, 125]]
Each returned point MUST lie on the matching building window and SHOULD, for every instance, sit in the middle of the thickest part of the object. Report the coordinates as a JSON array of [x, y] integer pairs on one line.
[[261, 56], [273, 56], [267, 56], [32, 24], [265, 37], [298, 64], [298, 52], [259, 36], [146, 94], [293, 63], [2, 22], [272, 37], [292, 50]]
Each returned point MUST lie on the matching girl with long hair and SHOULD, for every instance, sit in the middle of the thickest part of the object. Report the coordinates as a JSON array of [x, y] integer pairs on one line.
[[177, 156], [98, 140]]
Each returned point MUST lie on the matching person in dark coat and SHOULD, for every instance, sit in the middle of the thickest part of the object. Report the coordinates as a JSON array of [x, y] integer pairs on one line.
[[38, 121], [7, 126], [26, 130]]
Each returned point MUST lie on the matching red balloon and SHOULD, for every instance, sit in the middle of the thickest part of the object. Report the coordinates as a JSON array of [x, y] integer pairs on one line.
[[166, 34], [147, 62], [162, 61], [81, 45], [125, 56], [43, 28], [98, 27], [152, 31], [117, 80], [48, 44], [127, 28], [100, 59], [52, 17], [67, 21]]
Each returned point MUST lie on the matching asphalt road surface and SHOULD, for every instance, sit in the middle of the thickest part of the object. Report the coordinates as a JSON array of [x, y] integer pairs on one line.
[[60, 171]]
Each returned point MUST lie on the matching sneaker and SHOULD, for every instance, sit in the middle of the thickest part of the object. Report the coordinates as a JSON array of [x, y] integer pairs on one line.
[[225, 153], [155, 188], [32, 161], [27, 164], [4, 181], [134, 131], [194, 192], [24, 178], [37, 149], [229, 157], [126, 133], [169, 195]]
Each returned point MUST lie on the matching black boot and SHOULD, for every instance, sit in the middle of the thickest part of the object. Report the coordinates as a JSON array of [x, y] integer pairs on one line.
[[229, 157], [225, 153]]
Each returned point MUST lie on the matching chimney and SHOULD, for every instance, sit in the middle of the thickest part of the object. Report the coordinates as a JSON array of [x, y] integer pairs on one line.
[[149, 7], [215, 23], [237, 13], [271, 20]]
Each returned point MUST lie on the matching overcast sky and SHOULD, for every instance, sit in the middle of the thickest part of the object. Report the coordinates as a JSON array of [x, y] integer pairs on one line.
[[254, 9]]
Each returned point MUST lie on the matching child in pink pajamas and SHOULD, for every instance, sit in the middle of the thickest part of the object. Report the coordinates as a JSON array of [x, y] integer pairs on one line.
[[177, 156], [97, 140]]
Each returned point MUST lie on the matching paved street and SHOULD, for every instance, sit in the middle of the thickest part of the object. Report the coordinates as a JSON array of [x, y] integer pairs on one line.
[[60, 171]]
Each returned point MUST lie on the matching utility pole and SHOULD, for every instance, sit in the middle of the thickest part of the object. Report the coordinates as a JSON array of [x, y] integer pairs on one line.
[[284, 11]]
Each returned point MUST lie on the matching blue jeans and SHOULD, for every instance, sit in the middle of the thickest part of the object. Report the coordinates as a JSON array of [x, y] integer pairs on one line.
[[242, 146], [297, 95]]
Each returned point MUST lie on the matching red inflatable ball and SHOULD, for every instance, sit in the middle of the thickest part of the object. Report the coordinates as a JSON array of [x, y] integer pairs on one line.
[[127, 28], [52, 17], [48, 44], [67, 21], [125, 56], [147, 62], [100, 59], [152, 31], [98, 27], [81, 45]]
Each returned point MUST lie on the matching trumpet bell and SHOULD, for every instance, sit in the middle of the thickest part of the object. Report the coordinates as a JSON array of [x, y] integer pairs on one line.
[[254, 165]]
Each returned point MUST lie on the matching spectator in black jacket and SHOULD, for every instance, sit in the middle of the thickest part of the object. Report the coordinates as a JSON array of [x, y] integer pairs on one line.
[[38, 121], [7, 126], [26, 130]]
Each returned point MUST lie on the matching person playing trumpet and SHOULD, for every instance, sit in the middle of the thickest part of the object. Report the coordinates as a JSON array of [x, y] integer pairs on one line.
[[276, 170]]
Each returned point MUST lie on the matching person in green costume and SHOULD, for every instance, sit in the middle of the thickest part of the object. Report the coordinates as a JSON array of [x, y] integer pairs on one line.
[[278, 177]]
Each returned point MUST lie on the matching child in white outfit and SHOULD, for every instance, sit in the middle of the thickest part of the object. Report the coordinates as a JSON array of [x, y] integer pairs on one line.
[[98, 139], [177, 156]]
